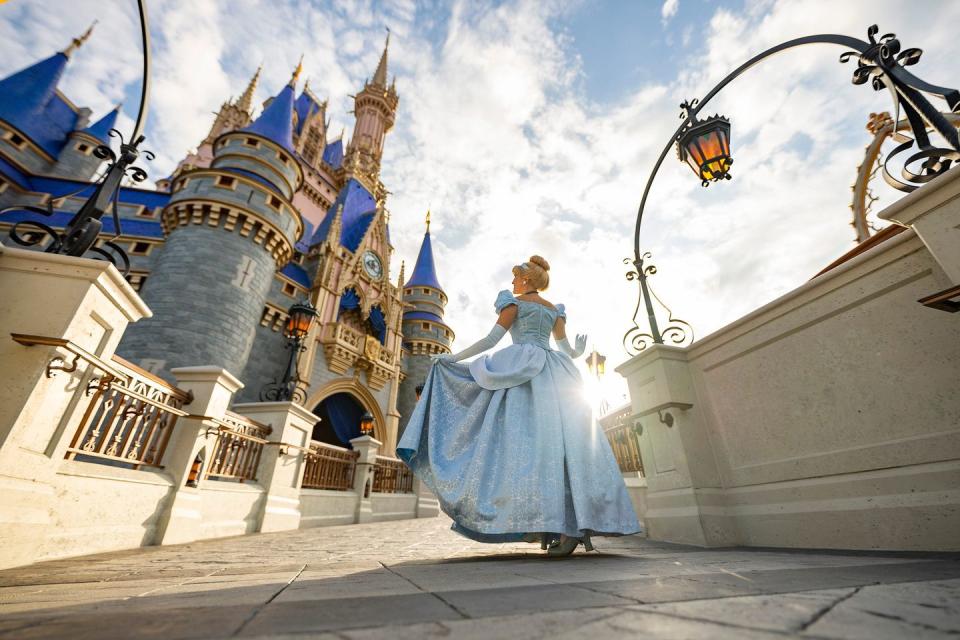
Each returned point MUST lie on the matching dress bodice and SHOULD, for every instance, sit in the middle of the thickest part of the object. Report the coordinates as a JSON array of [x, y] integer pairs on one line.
[[534, 321]]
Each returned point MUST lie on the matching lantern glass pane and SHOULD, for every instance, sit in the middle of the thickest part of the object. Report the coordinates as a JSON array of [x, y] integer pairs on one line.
[[695, 153], [711, 144], [303, 325]]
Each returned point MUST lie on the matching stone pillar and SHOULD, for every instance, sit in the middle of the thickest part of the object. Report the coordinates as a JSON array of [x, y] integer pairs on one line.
[[212, 389], [392, 427], [427, 504], [86, 302], [933, 212], [684, 493], [367, 447], [281, 469]]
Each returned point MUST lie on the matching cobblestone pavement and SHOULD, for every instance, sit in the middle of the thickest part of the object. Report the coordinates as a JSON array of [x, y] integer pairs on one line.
[[416, 579]]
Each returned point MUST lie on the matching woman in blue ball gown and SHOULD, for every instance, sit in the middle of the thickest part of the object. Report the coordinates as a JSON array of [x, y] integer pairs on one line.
[[507, 442]]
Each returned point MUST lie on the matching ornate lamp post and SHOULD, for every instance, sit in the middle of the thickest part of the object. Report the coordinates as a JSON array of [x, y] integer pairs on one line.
[[705, 146], [82, 231], [366, 424], [299, 320]]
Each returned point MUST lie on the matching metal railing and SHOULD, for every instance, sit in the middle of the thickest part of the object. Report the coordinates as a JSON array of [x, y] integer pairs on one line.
[[129, 419], [621, 433], [239, 446], [391, 476], [329, 467]]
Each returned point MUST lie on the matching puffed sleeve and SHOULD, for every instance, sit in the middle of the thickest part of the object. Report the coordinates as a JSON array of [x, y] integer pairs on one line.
[[504, 299], [562, 311]]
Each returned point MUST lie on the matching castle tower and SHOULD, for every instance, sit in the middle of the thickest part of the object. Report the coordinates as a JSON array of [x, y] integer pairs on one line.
[[76, 159], [35, 119], [375, 108], [424, 331], [228, 229]]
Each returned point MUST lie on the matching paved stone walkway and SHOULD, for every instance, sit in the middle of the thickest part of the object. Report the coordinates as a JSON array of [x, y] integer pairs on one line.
[[416, 579]]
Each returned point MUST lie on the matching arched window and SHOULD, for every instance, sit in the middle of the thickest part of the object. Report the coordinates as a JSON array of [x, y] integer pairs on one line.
[[374, 324], [378, 323]]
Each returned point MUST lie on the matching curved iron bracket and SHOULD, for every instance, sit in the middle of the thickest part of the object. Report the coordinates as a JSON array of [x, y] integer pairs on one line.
[[880, 61]]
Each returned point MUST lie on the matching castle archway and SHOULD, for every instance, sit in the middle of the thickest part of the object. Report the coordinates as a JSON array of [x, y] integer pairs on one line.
[[339, 405]]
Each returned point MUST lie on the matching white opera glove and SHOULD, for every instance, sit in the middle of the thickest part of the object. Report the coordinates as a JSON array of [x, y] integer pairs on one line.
[[479, 346], [570, 351]]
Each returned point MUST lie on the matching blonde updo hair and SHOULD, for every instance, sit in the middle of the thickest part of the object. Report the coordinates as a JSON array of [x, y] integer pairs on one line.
[[535, 271]]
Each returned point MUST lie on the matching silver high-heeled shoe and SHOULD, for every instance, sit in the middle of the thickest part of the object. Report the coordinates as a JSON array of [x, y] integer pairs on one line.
[[568, 545]]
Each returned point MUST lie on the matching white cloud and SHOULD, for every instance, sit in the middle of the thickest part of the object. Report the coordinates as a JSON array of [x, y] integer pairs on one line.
[[669, 9]]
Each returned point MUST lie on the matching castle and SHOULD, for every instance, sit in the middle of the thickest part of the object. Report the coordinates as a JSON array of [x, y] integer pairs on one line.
[[267, 211]]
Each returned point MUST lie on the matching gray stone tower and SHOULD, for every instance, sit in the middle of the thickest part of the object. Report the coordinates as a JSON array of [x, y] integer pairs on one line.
[[229, 228], [424, 331], [77, 159]]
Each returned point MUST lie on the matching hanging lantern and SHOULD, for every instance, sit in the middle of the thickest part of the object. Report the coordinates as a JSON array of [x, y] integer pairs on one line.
[[300, 317], [366, 424], [705, 146], [597, 364]]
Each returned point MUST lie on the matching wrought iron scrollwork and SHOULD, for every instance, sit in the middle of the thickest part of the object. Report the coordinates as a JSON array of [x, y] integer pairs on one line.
[[290, 387], [80, 234], [675, 332], [883, 64], [281, 392]]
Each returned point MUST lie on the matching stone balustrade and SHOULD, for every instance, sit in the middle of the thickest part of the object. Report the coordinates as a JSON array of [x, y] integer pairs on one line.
[[329, 467], [345, 347], [239, 447], [129, 418], [97, 454], [622, 434]]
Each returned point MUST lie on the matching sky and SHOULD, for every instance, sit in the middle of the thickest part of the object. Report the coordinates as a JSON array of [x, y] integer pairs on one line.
[[531, 127]]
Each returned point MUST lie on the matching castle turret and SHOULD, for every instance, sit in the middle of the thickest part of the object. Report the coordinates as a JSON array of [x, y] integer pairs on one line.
[[424, 331], [35, 120], [229, 228], [76, 159], [375, 108]]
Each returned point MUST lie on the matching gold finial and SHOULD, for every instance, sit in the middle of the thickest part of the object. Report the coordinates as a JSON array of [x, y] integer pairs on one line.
[[296, 72], [77, 42], [428, 220]]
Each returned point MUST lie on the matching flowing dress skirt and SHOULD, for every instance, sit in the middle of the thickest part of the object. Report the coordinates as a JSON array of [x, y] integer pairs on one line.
[[508, 445]]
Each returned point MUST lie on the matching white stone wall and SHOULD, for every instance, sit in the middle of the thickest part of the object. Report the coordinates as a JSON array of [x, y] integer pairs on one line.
[[393, 506], [827, 418], [101, 508], [76, 311], [229, 508], [325, 508]]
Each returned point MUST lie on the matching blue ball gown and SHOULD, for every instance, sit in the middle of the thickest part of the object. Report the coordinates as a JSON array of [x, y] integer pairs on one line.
[[508, 444]]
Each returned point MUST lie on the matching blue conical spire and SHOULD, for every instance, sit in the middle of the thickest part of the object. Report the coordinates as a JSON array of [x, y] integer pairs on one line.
[[101, 128], [25, 94], [424, 272], [276, 121]]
